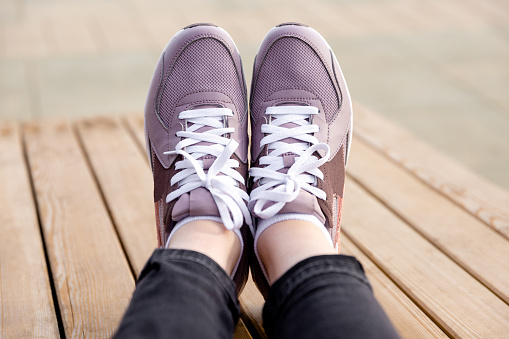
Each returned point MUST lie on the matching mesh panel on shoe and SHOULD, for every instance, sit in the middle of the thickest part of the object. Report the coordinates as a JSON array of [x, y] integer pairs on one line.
[[292, 64], [205, 65]]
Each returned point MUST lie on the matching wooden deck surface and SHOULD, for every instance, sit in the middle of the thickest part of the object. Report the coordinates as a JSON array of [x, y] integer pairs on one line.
[[77, 226]]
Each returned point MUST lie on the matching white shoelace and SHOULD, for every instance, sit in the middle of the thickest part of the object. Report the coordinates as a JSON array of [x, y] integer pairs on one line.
[[281, 188], [224, 188]]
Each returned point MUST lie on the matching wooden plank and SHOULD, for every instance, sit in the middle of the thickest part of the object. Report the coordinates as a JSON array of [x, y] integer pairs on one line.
[[408, 319], [126, 183], [484, 200], [456, 301], [251, 303], [92, 277], [135, 125], [468, 241], [26, 303], [241, 331]]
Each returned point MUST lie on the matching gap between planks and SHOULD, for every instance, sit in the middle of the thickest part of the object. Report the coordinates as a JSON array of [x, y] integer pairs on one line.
[[92, 277], [27, 307], [126, 183], [407, 317], [482, 199], [455, 300], [450, 228]]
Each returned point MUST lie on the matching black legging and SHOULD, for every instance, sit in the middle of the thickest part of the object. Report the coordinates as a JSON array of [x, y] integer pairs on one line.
[[185, 294]]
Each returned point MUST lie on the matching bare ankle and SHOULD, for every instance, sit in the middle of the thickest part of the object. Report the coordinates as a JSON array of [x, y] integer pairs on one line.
[[210, 238], [286, 243]]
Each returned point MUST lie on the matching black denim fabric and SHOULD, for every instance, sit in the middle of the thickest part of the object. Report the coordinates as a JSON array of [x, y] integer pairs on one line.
[[181, 294], [185, 294], [325, 296]]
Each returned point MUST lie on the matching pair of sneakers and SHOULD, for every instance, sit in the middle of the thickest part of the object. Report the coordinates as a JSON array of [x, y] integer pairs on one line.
[[196, 124]]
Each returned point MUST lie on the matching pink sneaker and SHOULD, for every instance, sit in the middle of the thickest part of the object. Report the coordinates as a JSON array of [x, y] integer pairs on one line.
[[196, 133], [301, 121]]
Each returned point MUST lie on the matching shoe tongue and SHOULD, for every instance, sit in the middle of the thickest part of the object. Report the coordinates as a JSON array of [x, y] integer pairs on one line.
[[198, 202]]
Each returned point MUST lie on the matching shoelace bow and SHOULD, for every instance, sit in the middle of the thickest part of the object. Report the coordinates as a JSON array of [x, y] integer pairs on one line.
[[225, 191], [279, 188]]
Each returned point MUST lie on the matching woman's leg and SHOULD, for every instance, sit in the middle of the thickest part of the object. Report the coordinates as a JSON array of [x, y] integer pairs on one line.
[[315, 293], [196, 132], [183, 293], [301, 132]]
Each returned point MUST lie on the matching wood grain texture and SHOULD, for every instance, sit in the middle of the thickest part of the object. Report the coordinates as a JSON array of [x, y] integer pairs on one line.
[[135, 125], [484, 200], [468, 241], [91, 274], [408, 318], [460, 304], [241, 331], [251, 303], [126, 183], [26, 303]]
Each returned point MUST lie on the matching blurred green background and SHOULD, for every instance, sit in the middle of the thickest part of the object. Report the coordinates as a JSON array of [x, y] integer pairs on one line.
[[440, 68]]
